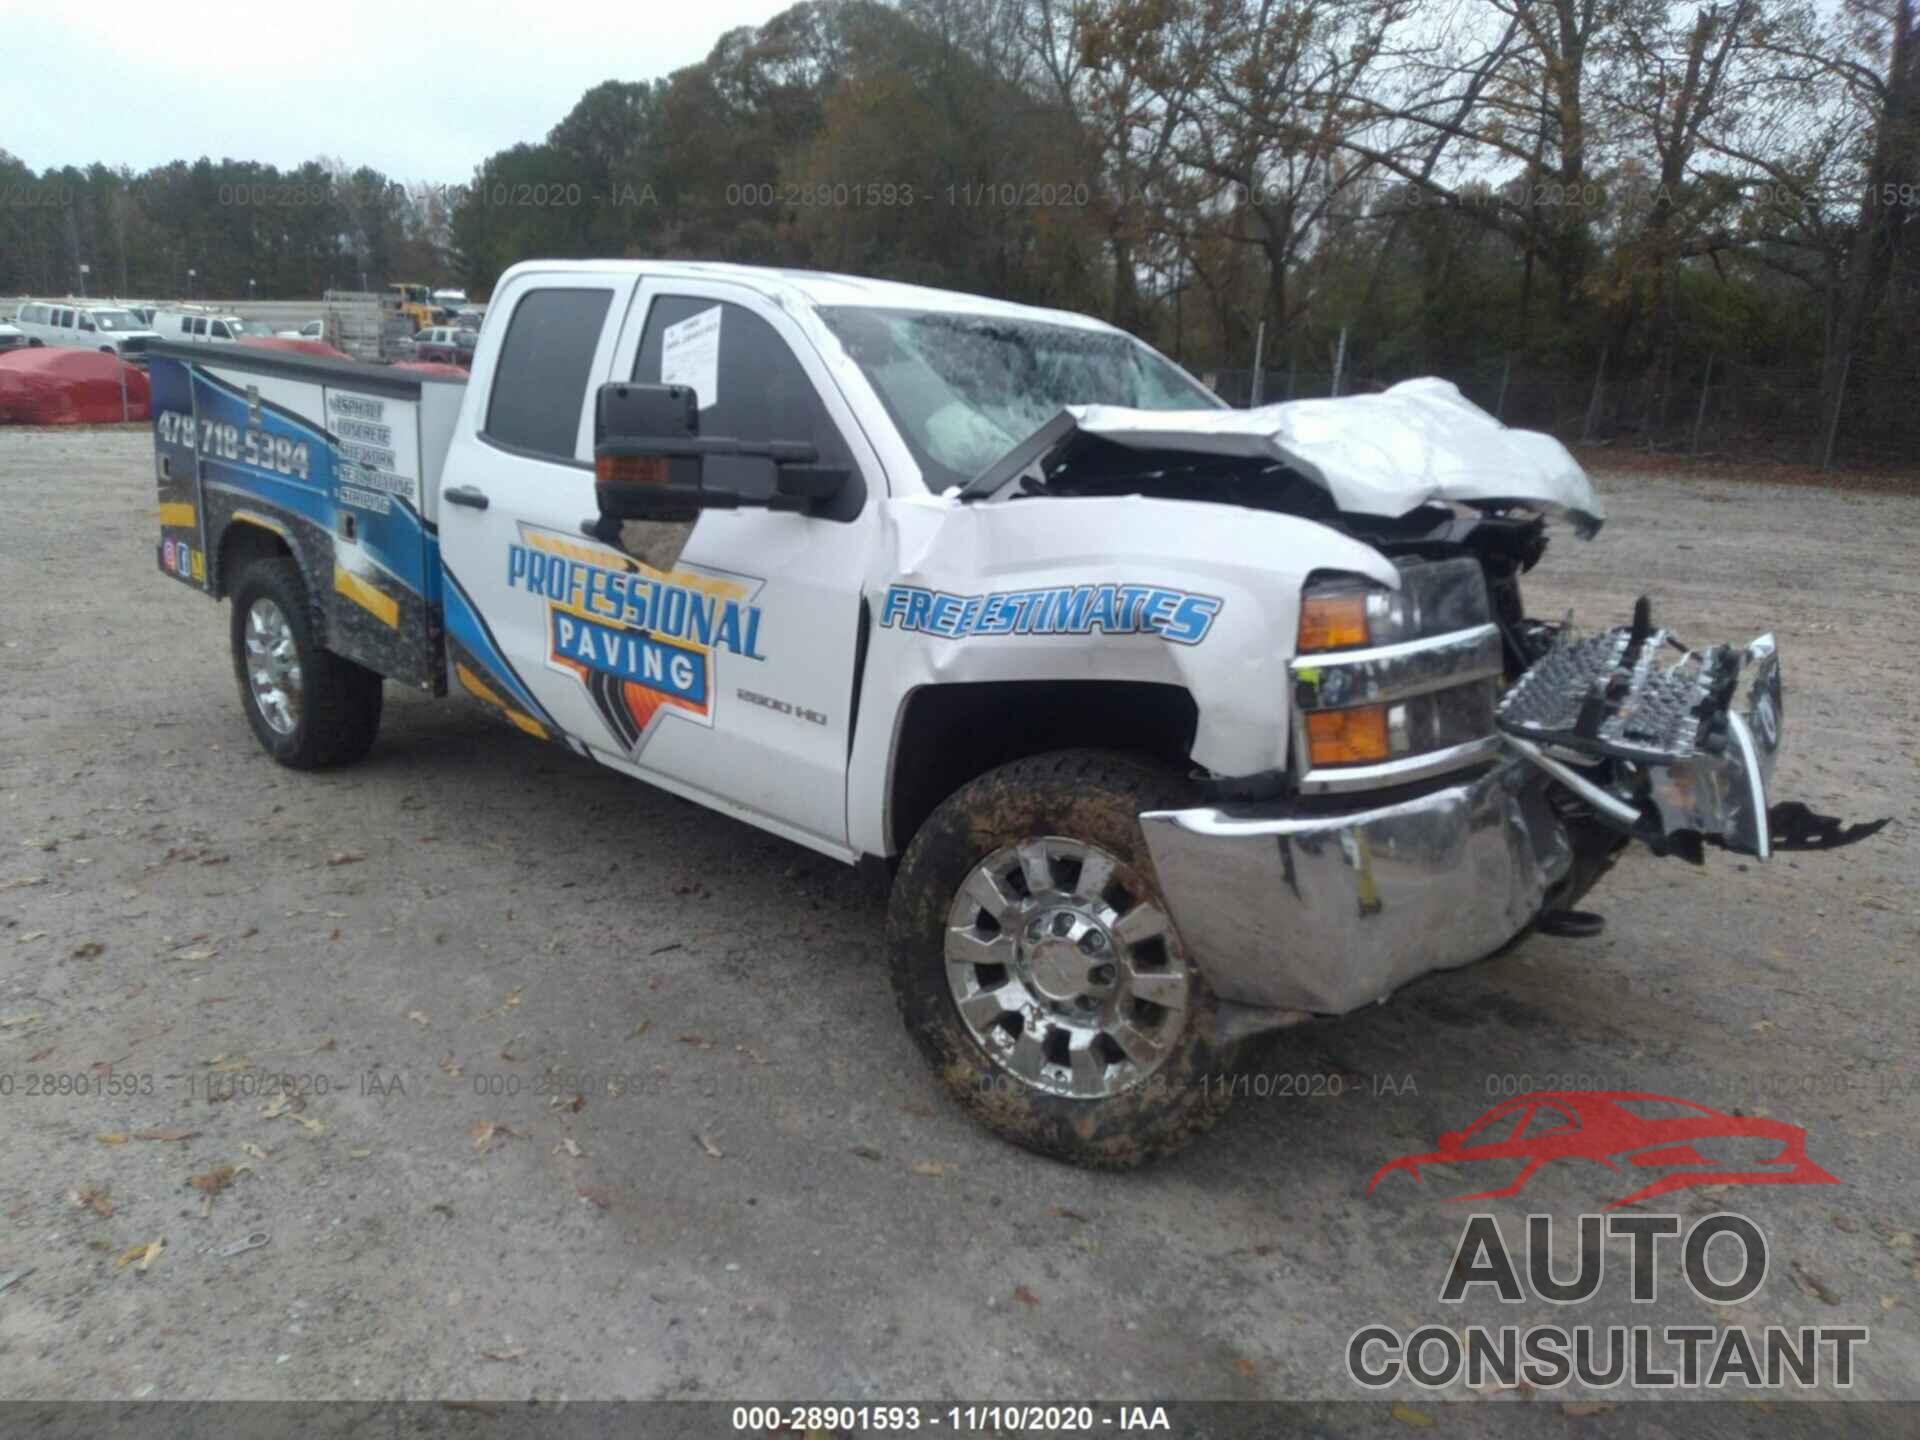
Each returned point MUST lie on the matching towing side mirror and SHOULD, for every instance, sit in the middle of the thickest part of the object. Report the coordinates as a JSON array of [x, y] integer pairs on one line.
[[649, 457], [636, 475]]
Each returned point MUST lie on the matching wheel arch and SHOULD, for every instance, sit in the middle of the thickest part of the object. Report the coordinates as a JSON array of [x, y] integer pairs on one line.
[[248, 536], [244, 540], [948, 734]]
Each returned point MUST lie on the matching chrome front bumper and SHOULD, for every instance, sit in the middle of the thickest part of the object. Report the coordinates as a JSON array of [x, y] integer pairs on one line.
[[1284, 910], [1290, 908]]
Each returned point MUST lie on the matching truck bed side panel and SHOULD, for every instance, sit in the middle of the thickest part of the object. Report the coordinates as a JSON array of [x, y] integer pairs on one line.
[[329, 463]]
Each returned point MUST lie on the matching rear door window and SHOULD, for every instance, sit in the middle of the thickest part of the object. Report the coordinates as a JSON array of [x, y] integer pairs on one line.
[[541, 376]]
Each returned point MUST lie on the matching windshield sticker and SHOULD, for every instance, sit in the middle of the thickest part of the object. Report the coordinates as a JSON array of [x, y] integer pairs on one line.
[[642, 641], [1178, 616], [690, 355]]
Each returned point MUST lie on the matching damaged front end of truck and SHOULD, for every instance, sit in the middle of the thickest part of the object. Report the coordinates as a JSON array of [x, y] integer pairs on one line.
[[1455, 771]]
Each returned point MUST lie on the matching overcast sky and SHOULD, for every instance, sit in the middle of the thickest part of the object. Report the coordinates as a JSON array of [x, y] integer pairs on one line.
[[419, 89]]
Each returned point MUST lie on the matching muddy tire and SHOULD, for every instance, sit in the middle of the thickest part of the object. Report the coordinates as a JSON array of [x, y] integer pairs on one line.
[[1037, 969], [308, 707]]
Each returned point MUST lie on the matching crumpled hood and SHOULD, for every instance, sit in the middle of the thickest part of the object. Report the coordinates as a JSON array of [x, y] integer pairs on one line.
[[1419, 442]]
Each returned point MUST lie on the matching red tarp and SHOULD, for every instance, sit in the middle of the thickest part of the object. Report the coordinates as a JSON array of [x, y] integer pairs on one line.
[[431, 367], [297, 345], [49, 386]]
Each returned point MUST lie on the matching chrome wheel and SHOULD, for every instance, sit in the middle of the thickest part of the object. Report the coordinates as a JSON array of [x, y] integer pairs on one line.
[[273, 666], [1064, 969]]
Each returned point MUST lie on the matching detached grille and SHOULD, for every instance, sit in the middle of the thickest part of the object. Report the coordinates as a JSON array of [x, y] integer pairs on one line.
[[1619, 693]]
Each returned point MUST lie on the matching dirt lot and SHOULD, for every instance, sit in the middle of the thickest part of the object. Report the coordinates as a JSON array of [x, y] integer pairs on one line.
[[716, 1167]]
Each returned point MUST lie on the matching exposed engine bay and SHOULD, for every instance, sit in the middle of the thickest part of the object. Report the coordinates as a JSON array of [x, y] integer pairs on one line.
[[1642, 737]]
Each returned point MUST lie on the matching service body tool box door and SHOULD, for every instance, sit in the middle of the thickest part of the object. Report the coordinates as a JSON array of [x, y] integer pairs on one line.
[[183, 547], [333, 459]]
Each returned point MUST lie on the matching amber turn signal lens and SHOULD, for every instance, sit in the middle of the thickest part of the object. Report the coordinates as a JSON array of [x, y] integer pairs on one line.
[[629, 470], [1347, 737], [1333, 622]]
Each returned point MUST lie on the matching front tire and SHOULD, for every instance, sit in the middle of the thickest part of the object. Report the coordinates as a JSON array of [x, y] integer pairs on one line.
[[308, 707], [1038, 970]]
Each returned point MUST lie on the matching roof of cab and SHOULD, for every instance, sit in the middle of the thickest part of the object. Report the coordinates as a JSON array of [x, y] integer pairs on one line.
[[816, 288]]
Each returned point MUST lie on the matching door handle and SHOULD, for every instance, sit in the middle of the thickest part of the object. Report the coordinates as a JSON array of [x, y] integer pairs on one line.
[[466, 495]]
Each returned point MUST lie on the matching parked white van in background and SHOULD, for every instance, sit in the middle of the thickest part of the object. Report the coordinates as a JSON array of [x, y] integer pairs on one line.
[[85, 325], [205, 327]]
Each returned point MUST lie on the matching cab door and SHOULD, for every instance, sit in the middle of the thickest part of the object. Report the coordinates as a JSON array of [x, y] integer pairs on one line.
[[771, 733], [514, 490], [725, 674]]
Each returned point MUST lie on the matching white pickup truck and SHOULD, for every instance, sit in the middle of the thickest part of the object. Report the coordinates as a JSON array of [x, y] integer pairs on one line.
[[1173, 724]]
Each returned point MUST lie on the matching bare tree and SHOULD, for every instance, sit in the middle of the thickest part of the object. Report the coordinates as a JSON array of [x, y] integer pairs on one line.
[[1259, 95], [1109, 69], [1873, 52]]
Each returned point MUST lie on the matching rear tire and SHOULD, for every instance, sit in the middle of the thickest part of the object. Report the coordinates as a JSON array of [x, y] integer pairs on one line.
[[1028, 901], [309, 708]]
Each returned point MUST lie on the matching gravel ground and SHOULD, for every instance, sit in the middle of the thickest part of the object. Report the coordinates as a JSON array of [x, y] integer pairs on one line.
[[716, 1168]]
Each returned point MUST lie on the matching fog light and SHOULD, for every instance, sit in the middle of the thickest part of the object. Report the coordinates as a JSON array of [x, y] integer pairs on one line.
[[1347, 737]]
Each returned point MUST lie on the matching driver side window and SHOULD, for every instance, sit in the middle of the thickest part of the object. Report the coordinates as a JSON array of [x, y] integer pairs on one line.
[[758, 391]]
